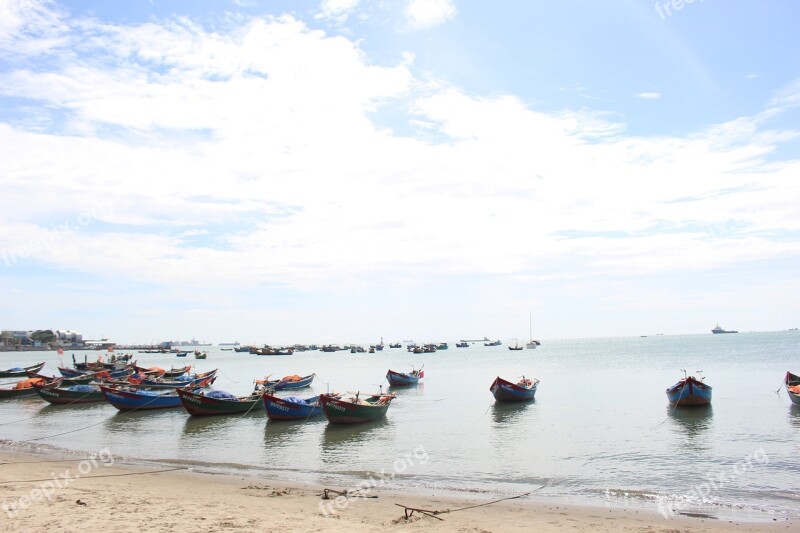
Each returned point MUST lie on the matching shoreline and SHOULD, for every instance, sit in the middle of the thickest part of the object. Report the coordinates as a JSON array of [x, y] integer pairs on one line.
[[43, 487]]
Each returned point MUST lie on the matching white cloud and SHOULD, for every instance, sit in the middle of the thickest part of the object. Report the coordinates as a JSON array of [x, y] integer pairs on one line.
[[247, 156], [649, 95], [336, 9], [428, 13], [31, 26]]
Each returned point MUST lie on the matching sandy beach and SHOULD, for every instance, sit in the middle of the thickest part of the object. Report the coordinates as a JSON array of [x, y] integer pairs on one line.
[[68, 492]]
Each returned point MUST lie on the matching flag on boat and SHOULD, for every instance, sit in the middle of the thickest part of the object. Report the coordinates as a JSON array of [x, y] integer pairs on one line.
[[421, 373]]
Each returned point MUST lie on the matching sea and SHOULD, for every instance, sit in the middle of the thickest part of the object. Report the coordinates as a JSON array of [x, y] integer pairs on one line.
[[600, 431]]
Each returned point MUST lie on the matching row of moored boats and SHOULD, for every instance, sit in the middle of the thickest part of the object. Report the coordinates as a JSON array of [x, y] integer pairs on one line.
[[129, 387]]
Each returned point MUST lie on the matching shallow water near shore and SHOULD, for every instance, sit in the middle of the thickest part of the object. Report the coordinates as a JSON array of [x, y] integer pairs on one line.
[[599, 432]]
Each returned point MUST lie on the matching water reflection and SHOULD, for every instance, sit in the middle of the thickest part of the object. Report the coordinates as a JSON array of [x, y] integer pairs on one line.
[[508, 413], [336, 436], [206, 425], [794, 415], [340, 443], [144, 421], [408, 390], [279, 433], [77, 408], [690, 424]]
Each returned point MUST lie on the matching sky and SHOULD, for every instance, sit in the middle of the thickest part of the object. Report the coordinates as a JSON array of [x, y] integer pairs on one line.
[[342, 170]]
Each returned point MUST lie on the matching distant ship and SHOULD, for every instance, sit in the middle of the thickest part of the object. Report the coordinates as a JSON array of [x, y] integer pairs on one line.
[[718, 329]]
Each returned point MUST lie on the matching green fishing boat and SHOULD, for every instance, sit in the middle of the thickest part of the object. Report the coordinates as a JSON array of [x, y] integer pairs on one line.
[[21, 388], [353, 410], [58, 393], [218, 403]]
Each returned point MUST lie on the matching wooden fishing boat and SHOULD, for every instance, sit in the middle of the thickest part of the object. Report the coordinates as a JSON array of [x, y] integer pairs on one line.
[[21, 388], [402, 379], [114, 363], [689, 391], [59, 394], [205, 403], [792, 383], [181, 354], [291, 382], [72, 373], [129, 400], [176, 372], [199, 355], [291, 407], [462, 344], [294, 382], [506, 391], [21, 372], [353, 410], [200, 380], [83, 379]]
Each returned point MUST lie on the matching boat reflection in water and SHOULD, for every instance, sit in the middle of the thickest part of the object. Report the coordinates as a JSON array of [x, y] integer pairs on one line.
[[508, 414], [794, 415], [208, 426], [142, 422], [340, 443], [286, 432], [691, 425]]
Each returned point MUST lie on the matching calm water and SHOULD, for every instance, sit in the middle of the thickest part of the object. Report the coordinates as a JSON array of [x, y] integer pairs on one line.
[[600, 430]]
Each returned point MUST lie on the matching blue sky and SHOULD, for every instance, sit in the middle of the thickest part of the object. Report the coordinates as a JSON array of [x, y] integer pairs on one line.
[[343, 170]]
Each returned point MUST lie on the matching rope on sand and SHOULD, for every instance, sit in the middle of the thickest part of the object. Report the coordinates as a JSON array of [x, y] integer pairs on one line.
[[409, 511], [94, 477]]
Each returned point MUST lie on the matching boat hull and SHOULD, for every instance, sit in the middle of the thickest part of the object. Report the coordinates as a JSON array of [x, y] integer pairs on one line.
[[400, 379], [200, 405], [792, 380], [55, 394], [16, 393], [689, 392], [279, 409], [22, 372], [140, 400], [26, 390], [294, 385], [506, 391], [346, 412]]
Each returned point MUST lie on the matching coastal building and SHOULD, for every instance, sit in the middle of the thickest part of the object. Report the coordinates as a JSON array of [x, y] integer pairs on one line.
[[41, 338]]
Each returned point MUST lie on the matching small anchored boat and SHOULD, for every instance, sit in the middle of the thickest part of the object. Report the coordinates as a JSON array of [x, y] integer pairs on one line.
[[689, 391], [792, 383], [353, 409], [402, 379], [506, 391]]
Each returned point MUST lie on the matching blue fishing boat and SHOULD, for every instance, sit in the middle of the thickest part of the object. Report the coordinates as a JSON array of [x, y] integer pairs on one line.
[[291, 407], [506, 391], [401, 379], [129, 400], [292, 382], [199, 380], [75, 373], [689, 391]]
